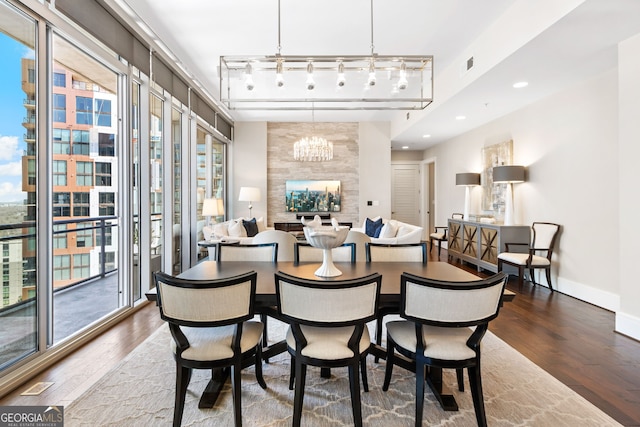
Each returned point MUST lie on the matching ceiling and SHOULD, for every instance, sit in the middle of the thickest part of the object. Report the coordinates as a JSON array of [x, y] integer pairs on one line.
[[551, 44]]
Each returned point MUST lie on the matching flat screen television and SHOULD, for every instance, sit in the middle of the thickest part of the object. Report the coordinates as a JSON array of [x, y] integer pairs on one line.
[[312, 196]]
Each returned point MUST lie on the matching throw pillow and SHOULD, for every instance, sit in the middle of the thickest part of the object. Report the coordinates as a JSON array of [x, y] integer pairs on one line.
[[372, 228], [236, 229], [261, 224], [389, 230], [251, 227], [221, 230]]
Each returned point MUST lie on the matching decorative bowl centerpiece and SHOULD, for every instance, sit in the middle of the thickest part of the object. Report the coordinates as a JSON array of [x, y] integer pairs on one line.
[[325, 237]]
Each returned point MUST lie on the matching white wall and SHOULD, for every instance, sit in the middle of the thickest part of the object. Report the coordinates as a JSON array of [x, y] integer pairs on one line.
[[569, 142], [375, 170], [628, 318], [248, 167]]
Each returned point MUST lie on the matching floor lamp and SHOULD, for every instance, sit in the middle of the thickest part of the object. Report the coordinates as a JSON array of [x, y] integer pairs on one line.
[[508, 175], [249, 194], [468, 180]]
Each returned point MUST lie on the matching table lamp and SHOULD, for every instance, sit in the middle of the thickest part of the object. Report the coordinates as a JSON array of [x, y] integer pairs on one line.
[[508, 175], [249, 194], [212, 208], [468, 180]]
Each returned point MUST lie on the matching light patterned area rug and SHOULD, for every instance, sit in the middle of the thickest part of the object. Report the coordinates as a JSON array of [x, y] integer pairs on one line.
[[140, 392]]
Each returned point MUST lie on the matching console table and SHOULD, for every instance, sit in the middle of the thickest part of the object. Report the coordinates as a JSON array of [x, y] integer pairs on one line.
[[297, 226], [479, 243]]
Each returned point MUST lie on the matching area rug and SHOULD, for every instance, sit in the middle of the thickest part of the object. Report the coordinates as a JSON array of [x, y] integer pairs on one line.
[[140, 392]]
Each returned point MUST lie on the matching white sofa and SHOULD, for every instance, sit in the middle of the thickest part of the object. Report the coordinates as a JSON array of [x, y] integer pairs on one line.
[[394, 232], [232, 229]]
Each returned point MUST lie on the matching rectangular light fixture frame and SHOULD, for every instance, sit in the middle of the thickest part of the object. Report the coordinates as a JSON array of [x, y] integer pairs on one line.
[[356, 94]]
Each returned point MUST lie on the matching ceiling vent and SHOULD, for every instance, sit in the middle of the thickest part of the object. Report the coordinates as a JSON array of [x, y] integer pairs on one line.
[[466, 66]]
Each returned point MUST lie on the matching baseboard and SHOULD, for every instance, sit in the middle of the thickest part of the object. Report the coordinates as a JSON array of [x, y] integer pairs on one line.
[[628, 325], [597, 297]]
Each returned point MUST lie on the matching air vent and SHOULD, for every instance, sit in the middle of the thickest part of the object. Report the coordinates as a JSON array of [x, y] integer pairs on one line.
[[469, 63]]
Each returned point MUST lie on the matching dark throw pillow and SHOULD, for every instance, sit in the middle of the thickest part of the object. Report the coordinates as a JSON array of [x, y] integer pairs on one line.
[[251, 227], [372, 228]]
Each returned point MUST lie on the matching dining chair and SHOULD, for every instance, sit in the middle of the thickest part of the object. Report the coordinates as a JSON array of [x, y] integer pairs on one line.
[[536, 256], [360, 239], [327, 329], [304, 252], [266, 252], [379, 252], [286, 242], [212, 328], [440, 234], [445, 323]]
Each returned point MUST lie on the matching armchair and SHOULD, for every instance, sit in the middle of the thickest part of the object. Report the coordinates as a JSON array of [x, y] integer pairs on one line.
[[538, 254]]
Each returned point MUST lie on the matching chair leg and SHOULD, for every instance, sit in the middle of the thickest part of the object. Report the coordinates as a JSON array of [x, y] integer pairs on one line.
[[354, 383], [258, 366], [388, 370], [548, 272], [363, 373], [430, 245], [265, 337], [237, 393], [532, 276], [292, 372], [378, 334], [420, 367], [183, 376], [476, 392], [520, 276], [460, 377], [298, 395], [439, 248]]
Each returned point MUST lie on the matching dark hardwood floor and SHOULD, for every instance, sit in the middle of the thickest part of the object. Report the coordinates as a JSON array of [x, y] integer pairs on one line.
[[572, 340]]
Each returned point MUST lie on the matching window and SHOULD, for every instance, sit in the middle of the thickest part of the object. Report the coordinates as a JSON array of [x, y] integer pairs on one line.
[[59, 79], [61, 267], [103, 174], [59, 108], [31, 171], [81, 139], [81, 264], [84, 110], [106, 144], [61, 204], [84, 238], [60, 236], [61, 139], [31, 75], [84, 173], [59, 172], [103, 112], [80, 204], [107, 204], [108, 233], [109, 261]]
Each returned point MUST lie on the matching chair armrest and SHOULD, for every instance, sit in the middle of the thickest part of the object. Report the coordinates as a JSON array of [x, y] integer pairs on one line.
[[443, 228]]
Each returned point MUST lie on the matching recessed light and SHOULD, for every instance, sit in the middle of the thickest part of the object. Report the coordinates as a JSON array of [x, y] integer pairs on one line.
[[461, 117], [426, 135], [405, 147], [520, 85]]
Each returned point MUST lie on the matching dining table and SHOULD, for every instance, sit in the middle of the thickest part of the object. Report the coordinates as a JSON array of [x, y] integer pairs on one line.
[[389, 302]]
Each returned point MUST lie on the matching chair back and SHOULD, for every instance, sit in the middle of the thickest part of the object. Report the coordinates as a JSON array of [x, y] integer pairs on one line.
[[544, 237], [453, 304], [457, 216], [286, 242], [409, 252], [327, 303], [360, 239], [206, 303], [266, 252], [304, 252]]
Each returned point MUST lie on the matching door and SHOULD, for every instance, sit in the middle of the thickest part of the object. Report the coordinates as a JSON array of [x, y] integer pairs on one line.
[[405, 193]]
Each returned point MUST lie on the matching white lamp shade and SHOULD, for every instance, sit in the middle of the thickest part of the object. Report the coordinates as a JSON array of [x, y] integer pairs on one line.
[[249, 194], [212, 207]]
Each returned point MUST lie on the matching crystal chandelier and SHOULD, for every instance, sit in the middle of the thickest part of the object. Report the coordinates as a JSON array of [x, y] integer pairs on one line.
[[313, 149]]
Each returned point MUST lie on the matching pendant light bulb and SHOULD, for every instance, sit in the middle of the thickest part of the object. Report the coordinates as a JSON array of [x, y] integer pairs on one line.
[[402, 81], [279, 76], [372, 73], [248, 77], [311, 84]]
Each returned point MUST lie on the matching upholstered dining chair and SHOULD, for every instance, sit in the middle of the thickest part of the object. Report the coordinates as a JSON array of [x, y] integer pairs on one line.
[[445, 323], [360, 239], [263, 252], [304, 252], [286, 242], [211, 325], [536, 256], [327, 328], [440, 234], [409, 252]]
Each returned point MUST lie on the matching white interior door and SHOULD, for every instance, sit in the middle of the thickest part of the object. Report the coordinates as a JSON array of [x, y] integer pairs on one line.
[[405, 193]]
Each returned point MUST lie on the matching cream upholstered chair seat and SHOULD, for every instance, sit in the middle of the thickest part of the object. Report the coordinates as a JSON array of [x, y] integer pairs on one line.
[[328, 328], [523, 259], [212, 326], [443, 328], [440, 234]]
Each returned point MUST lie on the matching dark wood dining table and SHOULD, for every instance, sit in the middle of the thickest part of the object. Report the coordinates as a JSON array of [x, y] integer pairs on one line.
[[265, 300]]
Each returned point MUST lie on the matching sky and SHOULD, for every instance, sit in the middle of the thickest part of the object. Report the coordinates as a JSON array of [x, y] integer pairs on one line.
[[12, 113]]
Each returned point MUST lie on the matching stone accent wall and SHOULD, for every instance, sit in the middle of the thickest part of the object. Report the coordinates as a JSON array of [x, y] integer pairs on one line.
[[282, 167]]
